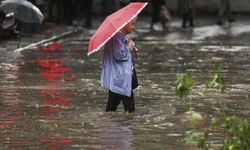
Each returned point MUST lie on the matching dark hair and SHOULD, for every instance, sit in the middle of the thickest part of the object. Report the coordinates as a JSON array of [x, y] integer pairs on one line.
[[2, 14]]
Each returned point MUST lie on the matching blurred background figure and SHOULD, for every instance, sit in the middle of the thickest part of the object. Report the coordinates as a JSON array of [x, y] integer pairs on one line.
[[68, 11], [105, 6], [2, 16], [164, 17], [58, 5], [87, 8], [40, 5], [158, 7], [186, 9], [8, 26], [225, 6]]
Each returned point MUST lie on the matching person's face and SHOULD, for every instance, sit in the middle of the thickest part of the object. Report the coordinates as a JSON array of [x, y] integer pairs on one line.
[[130, 27]]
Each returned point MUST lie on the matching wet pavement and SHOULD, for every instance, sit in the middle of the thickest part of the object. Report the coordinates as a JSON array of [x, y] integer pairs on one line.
[[51, 96]]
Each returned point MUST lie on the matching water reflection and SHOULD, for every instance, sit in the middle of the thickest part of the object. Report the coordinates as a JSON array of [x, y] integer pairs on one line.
[[9, 73], [32, 101], [51, 69], [51, 46], [116, 132], [55, 144], [54, 102], [54, 99]]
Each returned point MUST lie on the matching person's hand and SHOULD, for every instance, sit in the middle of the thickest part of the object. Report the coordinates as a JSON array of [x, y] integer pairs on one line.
[[130, 44]]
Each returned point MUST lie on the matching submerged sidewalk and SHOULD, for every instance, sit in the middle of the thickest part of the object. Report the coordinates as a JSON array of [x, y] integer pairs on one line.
[[35, 34]]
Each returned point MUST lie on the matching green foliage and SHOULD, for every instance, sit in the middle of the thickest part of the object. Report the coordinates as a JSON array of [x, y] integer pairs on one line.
[[236, 130], [218, 67], [197, 139], [215, 122], [195, 117], [201, 94], [183, 84], [194, 138], [218, 80]]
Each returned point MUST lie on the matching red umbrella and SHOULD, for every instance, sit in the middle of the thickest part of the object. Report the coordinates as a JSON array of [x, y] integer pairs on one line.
[[114, 23]]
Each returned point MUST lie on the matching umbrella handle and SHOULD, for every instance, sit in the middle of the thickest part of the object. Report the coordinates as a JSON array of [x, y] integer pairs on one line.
[[136, 50]]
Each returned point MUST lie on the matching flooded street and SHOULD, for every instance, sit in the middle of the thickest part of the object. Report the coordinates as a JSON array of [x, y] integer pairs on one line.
[[51, 96]]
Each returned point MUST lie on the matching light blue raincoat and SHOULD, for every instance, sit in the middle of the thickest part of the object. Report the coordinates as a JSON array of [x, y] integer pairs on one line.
[[117, 66]]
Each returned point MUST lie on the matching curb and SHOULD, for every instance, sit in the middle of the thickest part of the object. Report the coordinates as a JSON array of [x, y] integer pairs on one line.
[[67, 33]]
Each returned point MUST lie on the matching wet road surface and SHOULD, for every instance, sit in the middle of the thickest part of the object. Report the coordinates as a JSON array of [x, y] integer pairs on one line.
[[51, 96]]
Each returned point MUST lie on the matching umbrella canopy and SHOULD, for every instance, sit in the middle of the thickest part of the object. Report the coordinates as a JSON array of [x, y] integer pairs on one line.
[[9, 21], [23, 10], [114, 23]]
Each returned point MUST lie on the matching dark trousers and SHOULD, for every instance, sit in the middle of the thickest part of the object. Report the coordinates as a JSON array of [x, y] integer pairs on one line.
[[188, 17], [114, 100], [225, 6]]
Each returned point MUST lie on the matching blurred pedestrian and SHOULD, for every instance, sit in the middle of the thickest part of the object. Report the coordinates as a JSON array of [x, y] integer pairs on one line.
[[88, 12], [52, 5], [40, 5], [68, 11], [117, 69], [225, 6], [8, 25], [186, 9], [2, 16], [106, 5], [164, 17], [87, 8], [159, 14]]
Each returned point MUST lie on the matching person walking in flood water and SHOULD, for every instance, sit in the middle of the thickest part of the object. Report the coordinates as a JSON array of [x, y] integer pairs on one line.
[[117, 69], [186, 9], [225, 6]]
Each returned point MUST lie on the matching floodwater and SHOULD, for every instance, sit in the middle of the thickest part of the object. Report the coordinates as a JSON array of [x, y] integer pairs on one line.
[[51, 96]]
